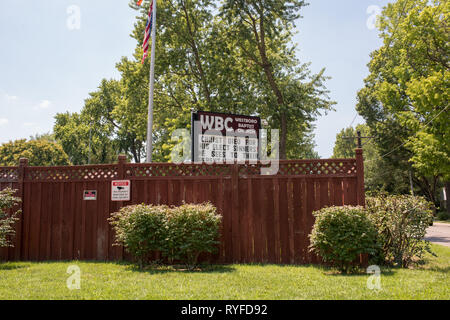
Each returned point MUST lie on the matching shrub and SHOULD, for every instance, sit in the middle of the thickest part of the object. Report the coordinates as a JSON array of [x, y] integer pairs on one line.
[[7, 218], [141, 229], [443, 216], [179, 233], [341, 234], [401, 221], [193, 229]]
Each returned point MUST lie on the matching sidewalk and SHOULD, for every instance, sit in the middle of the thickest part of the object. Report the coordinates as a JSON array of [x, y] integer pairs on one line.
[[439, 233]]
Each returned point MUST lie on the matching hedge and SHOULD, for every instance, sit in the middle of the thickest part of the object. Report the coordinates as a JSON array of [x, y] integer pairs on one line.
[[179, 233]]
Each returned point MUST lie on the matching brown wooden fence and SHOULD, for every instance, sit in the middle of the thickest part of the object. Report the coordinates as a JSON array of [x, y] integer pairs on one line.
[[265, 218]]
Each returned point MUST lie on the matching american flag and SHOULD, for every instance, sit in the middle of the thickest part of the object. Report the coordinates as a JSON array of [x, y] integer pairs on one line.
[[148, 30]]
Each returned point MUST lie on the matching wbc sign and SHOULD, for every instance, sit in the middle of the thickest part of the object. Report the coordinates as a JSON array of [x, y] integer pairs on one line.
[[220, 137]]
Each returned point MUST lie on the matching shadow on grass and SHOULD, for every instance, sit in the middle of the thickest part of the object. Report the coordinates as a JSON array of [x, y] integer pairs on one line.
[[334, 273], [389, 270], [6, 266], [445, 270], [161, 269]]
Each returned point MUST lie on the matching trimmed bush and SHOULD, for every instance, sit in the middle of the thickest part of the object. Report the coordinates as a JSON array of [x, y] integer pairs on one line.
[[7, 217], [141, 229], [179, 233], [401, 221], [341, 234], [193, 229]]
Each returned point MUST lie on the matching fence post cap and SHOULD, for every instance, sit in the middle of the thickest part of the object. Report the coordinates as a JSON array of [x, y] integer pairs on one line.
[[359, 151]]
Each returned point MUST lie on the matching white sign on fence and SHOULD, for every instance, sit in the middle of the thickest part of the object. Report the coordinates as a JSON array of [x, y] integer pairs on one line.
[[121, 190]]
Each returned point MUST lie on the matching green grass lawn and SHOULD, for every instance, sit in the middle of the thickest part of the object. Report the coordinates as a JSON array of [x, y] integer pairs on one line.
[[123, 281]]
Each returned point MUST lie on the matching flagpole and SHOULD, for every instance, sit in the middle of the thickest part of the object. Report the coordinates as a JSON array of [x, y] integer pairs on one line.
[[152, 85]]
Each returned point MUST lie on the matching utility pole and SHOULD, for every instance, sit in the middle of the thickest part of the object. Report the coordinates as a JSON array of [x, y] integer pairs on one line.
[[358, 133], [359, 139]]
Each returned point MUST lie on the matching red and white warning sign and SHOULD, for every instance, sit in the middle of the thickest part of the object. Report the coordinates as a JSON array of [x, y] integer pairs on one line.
[[121, 190], [90, 195]]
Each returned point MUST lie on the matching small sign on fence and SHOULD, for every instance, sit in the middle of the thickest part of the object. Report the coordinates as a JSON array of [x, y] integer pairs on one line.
[[90, 195], [121, 190]]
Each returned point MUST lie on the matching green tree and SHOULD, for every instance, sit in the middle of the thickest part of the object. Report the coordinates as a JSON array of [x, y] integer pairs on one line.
[[261, 32], [405, 98], [38, 153], [83, 140]]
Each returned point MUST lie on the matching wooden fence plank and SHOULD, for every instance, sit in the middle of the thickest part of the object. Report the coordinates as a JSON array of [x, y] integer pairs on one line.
[[257, 214], [299, 217], [79, 223], [101, 240], [26, 220], [273, 223], [284, 222], [227, 222], [243, 225], [291, 221], [310, 206], [250, 217], [235, 217]]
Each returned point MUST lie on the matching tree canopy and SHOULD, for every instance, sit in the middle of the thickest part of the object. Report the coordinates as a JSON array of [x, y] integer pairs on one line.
[[405, 98], [38, 153]]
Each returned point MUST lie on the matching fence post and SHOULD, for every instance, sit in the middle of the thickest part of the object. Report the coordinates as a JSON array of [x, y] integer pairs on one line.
[[361, 197], [121, 171], [235, 224], [23, 163]]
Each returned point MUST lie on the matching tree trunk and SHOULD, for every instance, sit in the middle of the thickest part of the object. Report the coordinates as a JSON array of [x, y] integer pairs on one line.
[[198, 62], [268, 70], [283, 136], [135, 153]]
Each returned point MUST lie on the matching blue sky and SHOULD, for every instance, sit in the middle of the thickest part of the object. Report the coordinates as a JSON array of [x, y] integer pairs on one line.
[[49, 65]]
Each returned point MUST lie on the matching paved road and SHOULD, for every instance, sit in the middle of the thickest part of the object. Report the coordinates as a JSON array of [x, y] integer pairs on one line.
[[439, 233]]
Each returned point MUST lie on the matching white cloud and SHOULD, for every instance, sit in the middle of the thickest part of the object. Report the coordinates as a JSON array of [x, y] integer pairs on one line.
[[3, 121], [45, 104]]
